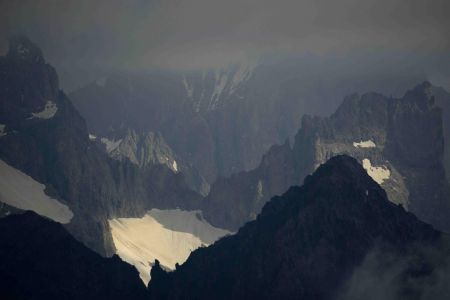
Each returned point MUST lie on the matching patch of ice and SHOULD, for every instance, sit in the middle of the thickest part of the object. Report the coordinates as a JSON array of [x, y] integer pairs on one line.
[[379, 174], [175, 166], [111, 145], [167, 235], [2, 130], [21, 191], [364, 144], [48, 112]]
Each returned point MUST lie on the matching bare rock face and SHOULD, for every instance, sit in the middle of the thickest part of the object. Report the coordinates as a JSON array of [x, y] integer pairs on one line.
[[149, 103], [307, 243], [148, 149], [241, 197], [398, 141], [442, 99]]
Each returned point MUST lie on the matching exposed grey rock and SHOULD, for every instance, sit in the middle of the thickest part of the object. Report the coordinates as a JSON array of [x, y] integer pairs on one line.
[[400, 141]]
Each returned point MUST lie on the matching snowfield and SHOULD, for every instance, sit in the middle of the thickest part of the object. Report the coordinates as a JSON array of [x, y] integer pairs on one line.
[[364, 144], [379, 174], [167, 235], [21, 191], [48, 112]]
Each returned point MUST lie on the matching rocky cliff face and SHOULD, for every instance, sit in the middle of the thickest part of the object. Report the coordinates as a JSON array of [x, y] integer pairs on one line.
[[41, 260], [239, 198], [148, 149], [44, 136], [306, 244], [442, 99], [147, 103], [399, 142]]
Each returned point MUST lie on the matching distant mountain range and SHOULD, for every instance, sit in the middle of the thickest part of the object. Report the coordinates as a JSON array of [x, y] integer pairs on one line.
[[176, 156], [399, 141], [222, 121]]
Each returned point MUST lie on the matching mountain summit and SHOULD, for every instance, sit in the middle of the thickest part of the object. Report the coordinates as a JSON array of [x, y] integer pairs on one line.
[[304, 244]]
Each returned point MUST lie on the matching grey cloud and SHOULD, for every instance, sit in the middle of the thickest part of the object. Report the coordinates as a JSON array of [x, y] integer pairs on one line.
[[209, 33]]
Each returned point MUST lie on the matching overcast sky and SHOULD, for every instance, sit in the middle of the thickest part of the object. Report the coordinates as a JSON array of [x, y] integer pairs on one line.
[[194, 34]]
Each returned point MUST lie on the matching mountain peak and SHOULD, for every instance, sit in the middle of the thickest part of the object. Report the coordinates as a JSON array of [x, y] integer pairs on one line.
[[20, 47], [422, 95], [306, 242]]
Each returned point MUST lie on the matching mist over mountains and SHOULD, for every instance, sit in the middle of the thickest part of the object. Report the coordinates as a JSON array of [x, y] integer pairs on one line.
[[224, 150]]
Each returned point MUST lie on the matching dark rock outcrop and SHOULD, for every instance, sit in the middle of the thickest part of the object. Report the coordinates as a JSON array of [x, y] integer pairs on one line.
[[305, 244], [39, 259]]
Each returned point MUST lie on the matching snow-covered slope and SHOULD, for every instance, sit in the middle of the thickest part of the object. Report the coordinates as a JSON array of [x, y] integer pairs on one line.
[[21, 191], [167, 235]]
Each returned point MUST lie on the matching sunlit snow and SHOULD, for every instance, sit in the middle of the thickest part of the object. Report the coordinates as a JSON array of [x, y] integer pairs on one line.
[[379, 174], [92, 137], [175, 166], [21, 191], [167, 235], [48, 112], [364, 144]]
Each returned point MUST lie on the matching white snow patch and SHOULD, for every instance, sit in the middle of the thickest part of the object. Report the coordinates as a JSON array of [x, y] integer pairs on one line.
[[242, 74], [92, 137], [111, 145], [379, 174], [175, 166], [2, 130], [364, 144], [189, 89], [21, 191], [221, 79], [167, 235], [48, 112]]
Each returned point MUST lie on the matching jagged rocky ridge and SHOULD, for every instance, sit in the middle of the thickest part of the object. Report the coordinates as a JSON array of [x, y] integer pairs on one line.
[[148, 103], [147, 149], [44, 136], [39, 259], [400, 141], [307, 243], [222, 120]]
